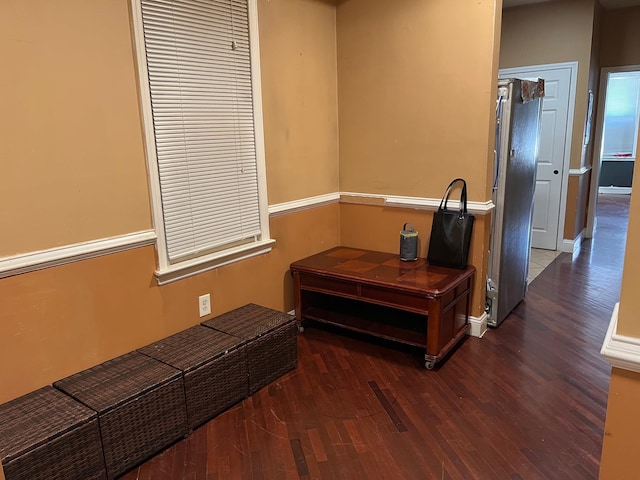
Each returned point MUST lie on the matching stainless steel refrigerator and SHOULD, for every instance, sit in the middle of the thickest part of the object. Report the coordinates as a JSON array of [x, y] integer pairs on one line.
[[518, 112]]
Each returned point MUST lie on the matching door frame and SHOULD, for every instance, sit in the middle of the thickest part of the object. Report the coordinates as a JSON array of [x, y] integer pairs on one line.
[[596, 160], [566, 162]]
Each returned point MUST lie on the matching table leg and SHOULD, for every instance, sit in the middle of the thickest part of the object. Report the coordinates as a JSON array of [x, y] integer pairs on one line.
[[434, 325], [429, 362], [297, 300]]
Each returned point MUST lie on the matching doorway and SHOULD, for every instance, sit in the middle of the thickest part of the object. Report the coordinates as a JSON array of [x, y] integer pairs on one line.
[[555, 148], [616, 139]]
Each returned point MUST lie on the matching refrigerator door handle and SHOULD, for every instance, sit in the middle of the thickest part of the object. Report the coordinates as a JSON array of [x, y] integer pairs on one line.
[[496, 150]]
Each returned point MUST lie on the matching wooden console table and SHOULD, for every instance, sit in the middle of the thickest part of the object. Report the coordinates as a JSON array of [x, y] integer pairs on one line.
[[376, 293]]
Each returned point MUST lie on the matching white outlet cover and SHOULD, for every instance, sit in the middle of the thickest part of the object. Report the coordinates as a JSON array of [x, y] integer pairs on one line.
[[204, 303]]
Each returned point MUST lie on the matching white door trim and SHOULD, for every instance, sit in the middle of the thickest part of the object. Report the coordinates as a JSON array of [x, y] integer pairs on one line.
[[597, 143], [573, 66]]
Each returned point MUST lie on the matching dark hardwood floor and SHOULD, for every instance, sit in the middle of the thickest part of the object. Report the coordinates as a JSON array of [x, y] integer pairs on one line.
[[527, 401]]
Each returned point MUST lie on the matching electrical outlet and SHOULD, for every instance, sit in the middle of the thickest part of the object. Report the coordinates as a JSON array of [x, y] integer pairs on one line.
[[204, 302]]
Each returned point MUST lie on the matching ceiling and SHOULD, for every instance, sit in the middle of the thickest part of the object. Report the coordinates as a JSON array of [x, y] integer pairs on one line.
[[608, 4]]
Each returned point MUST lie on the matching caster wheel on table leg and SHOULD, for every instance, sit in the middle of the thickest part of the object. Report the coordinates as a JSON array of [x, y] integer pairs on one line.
[[300, 329], [429, 364]]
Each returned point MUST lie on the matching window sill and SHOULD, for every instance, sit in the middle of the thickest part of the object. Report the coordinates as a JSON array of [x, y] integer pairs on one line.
[[203, 264]]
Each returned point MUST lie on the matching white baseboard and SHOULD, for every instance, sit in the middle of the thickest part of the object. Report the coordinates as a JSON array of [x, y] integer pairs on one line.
[[573, 246], [619, 350], [29, 262], [478, 325]]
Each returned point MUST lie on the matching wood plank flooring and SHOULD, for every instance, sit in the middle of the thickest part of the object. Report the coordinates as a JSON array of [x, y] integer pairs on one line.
[[527, 401]]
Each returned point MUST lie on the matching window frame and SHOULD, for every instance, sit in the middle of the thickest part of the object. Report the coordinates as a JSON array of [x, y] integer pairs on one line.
[[166, 270]]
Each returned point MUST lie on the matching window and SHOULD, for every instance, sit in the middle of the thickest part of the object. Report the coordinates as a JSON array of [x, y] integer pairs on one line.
[[199, 75], [622, 107]]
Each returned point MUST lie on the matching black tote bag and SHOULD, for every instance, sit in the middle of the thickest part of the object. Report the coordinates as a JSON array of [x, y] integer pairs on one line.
[[451, 232]]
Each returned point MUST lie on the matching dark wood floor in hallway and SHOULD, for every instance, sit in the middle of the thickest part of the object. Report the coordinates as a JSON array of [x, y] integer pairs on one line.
[[527, 401]]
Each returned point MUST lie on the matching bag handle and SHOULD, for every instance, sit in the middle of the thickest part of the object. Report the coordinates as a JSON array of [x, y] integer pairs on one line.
[[404, 227], [463, 196]]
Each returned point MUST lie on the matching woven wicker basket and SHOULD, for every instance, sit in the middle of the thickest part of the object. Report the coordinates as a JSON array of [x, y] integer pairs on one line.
[[140, 404], [214, 366], [271, 341], [46, 435]]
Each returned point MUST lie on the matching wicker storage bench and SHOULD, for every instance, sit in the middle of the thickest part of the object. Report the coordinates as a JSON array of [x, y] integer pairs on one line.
[[214, 366], [140, 405], [271, 340], [45, 435]]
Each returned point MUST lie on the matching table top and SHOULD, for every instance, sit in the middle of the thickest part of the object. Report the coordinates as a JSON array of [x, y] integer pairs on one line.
[[385, 269]]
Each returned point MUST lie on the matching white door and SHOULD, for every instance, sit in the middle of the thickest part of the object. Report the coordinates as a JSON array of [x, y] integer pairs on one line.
[[555, 144]]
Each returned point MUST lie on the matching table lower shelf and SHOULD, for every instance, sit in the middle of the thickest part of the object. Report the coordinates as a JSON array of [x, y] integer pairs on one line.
[[383, 322]]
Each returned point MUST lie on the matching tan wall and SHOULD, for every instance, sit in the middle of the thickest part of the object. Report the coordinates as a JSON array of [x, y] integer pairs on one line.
[[578, 185], [416, 101], [58, 321], [628, 320], [73, 87], [620, 445], [376, 227], [298, 52], [416, 86], [553, 32], [576, 209], [620, 37], [594, 84], [619, 450], [620, 46], [71, 125], [71, 147]]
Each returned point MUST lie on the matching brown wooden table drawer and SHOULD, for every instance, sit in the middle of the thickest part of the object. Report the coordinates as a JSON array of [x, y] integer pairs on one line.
[[330, 285], [460, 289], [394, 298]]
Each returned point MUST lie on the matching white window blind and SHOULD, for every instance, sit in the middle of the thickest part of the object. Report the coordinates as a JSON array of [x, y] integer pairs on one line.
[[199, 70]]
